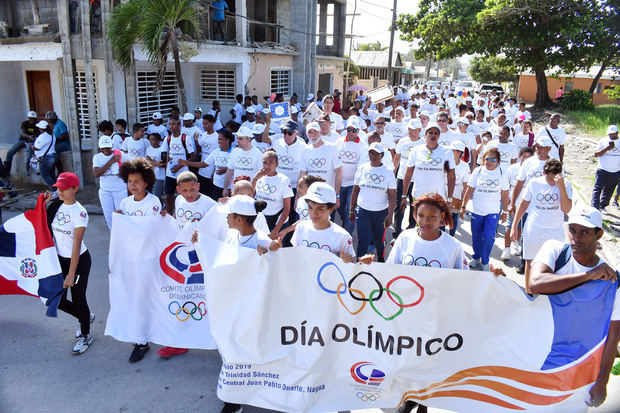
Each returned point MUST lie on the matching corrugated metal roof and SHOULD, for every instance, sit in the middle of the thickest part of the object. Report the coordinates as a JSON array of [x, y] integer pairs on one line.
[[375, 59], [590, 74]]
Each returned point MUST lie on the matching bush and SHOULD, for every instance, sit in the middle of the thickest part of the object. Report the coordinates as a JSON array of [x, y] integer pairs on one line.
[[613, 93], [577, 99]]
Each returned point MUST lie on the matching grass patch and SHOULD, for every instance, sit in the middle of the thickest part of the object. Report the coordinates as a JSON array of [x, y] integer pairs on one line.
[[596, 122]]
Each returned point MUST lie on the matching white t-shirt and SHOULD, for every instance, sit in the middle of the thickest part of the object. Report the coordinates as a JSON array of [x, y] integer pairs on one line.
[[531, 168], [155, 154], [302, 209], [411, 249], [558, 135], [245, 162], [482, 126], [332, 239], [44, 141], [397, 129], [507, 151], [387, 140], [527, 114], [208, 143], [109, 181], [350, 153], [218, 124], [239, 111], [161, 129], [233, 237], [289, 158], [176, 151], [487, 184], [468, 138], [135, 148], [513, 173], [429, 174], [521, 140], [610, 161], [117, 141], [273, 190], [446, 138], [337, 123], [219, 159], [374, 183], [321, 161], [66, 220], [150, 205], [404, 148], [462, 174], [331, 137], [185, 212], [545, 202]]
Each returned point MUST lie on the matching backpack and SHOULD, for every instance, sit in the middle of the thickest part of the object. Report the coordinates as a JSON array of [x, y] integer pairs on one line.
[[183, 137]]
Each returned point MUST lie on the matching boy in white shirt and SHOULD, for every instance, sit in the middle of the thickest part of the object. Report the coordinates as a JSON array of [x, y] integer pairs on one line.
[[153, 156], [135, 146], [245, 159]]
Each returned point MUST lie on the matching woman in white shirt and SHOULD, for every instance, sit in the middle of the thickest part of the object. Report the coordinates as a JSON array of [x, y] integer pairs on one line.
[[489, 188], [462, 173], [112, 189], [43, 148], [374, 195], [546, 200]]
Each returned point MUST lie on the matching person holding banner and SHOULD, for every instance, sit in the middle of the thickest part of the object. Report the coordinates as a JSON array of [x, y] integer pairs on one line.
[[68, 220]]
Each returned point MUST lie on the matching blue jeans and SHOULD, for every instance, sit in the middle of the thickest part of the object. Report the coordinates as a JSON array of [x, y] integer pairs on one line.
[[14, 149], [483, 235], [399, 215], [604, 188], [46, 167], [345, 205], [455, 223], [370, 226]]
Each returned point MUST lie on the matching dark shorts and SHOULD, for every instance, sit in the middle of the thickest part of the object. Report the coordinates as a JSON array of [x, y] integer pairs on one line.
[[170, 186]]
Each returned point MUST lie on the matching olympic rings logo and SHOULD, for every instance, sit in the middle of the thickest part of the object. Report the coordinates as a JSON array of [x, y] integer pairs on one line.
[[183, 313], [420, 262], [316, 245], [348, 155], [176, 147], [376, 179], [187, 216], [317, 162], [137, 213], [135, 153], [62, 218], [548, 198], [368, 397], [221, 160], [374, 295], [302, 212], [206, 147], [286, 160], [535, 174], [266, 188], [490, 183], [243, 161], [505, 156], [432, 161]]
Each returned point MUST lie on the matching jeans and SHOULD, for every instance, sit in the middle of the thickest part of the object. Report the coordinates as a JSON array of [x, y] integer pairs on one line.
[[483, 235], [345, 205], [14, 149], [398, 214], [604, 188], [455, 223], [46, 167], [110, 202], [370, 226]]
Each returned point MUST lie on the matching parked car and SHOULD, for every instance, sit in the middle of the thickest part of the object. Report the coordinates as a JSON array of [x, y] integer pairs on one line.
[[466, 85], [433, 84], [488, 87]]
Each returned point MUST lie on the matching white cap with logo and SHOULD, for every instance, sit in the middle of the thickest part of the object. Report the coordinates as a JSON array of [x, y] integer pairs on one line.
[[105, 142], [32, 114], [587, 216], [414, 124], [612, 129], [188, 116], [157, 115], [313, 125], [377, 147], [544, 141], [242, 205], [321, 193], [42, 124], [258, 128], [245, 132]]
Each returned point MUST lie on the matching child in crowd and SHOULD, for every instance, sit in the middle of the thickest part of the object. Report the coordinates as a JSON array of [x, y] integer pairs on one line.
[[513, 171], [137, 145], [112, 189], [121, 128], [153, 156]]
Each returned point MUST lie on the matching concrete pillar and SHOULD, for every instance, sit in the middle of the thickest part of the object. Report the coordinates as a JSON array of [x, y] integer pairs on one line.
[[241, 25], [68, 76], [131, 96], [108, 59], [88, 70]]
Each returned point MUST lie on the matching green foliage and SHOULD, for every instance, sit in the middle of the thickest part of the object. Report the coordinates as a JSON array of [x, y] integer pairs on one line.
[[491, 69], [613, 93], [370, 47], [577, 100], [595, 122], [351, 67]]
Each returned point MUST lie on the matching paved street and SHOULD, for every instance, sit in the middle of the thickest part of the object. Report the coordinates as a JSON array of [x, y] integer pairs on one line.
[[39, 374]]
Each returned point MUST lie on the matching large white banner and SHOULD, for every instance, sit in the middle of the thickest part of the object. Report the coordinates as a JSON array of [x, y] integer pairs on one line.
[[299, 330]]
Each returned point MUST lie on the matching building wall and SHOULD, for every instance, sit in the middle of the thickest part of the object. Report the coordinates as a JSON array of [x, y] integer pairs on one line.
[[284, 19], [261, 64], [335, 67], [14, 106], [22, 13], [527, 87]]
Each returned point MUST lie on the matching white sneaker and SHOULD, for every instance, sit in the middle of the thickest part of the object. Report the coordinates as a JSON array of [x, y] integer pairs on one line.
[[515, 249], [505, 254], [604, 211], [82, 343], [78, 330], [485, 267], [474, 263]]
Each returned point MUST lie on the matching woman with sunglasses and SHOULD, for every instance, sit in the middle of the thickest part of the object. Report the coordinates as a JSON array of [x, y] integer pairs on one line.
[[489, 188]]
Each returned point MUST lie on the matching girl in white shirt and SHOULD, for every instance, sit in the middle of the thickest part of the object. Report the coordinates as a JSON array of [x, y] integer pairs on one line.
[[153, 156], [112, 189], [462, 173]]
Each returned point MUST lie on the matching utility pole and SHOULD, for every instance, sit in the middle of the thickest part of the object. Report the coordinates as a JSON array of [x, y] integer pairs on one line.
[[390, 74], [345, 86]]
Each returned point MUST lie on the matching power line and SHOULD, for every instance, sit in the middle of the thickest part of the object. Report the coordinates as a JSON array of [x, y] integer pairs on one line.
[[376, 5]]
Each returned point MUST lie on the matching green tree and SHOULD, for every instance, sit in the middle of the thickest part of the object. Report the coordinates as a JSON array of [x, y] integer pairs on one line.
[[613, 93], [531, 35], [159, 26], [370, 47], [491, 69]]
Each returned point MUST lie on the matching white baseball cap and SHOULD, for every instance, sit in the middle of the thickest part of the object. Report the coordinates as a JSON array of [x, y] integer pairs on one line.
[[294, 109], [105, 142], [313, 125], [377, 147], [198, 109], [321, 193], [462, 119], [250, 110], [245, 132], [587, 216], [458, 146], [414, 124], [425, 113], [258, 128], [610, 129], [431, 126], [157, 115], [353, 121], [42, 124], [188, 116], [310, 96], [242, 205], [544, 141], [32, 114], [400, 109]]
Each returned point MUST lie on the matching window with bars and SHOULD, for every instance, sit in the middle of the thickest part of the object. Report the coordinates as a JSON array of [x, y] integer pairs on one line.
[[162, 101], [281, 81], [217, 84], [599, 88], [82, 103]]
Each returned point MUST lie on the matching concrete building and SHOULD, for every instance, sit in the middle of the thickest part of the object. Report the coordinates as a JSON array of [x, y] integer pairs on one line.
[[270, 46]]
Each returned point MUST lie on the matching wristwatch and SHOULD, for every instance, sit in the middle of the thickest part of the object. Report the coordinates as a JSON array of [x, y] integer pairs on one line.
[[449, 199], [338, 196]]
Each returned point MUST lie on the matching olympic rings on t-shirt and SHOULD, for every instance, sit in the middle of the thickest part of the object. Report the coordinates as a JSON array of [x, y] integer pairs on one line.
[[371, 295], [243, 161], [137, 213], [266, 188], [348, 155], [316, 245], [184, 312], [221, 161], [432, 161], [317, 162], [535, 174], [548, 198], [368, 397], [135, 152], [176, 147], [420, 261], [285, 160], [489, 183], [62, 218], [188, 216], [206, 147], [302, 212], [374, 178]]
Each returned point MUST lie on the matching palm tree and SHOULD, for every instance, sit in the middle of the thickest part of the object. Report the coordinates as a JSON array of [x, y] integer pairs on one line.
[[158, 25]]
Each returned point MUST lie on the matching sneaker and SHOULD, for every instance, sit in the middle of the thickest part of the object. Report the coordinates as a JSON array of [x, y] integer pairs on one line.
[[485, 267], [139, 350], [515, 249], [615, 204], [82, 343], [78, 330], [407, 407], [521, 269], [505, 254], [474, 263], [167, 352], [604, 211], [231, 408]]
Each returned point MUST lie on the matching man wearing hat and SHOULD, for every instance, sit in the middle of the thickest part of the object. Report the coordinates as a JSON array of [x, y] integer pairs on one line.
[[198, 118], [250, 115], [608, 170], [29, 133], [557, 136], [156, 126], [583, 292], [189, 127], [327, 132]]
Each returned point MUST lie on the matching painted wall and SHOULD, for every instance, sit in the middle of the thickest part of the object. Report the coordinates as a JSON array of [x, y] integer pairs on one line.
[[13, 106], [335, 67], [261, 65], [527, 87]]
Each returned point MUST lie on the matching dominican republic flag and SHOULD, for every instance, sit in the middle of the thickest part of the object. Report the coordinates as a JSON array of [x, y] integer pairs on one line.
[[28, 260]]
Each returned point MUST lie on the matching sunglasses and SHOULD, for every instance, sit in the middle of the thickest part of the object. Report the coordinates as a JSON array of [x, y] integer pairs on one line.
[[379, 123], [490, 159], [441, 120], [351, 130], [289, 132]]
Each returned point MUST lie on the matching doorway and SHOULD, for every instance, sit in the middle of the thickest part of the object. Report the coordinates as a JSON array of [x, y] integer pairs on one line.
[[39, 91], [325, 83]]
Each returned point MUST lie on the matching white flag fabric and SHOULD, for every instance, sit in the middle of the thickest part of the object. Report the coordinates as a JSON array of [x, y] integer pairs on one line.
[[299, 330], [157, 289]]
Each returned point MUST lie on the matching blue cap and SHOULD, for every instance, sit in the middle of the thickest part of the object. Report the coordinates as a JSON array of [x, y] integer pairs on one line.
[[289, 124]]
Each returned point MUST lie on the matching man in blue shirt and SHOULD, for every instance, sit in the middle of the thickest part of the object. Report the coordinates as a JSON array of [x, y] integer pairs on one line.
[[61, 133], [218, 17]]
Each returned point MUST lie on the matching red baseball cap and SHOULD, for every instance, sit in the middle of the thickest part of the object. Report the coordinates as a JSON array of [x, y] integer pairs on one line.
[[67, 180]]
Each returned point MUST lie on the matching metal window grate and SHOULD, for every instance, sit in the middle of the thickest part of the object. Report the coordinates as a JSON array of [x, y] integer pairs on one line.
[[82, 103], [281, 81], [163, 101], [217, 84]]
